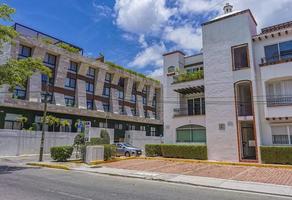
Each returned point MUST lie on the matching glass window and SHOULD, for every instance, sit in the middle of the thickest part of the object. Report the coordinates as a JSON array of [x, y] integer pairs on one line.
[[70, 82], [106, 107], [90, 104], [142, 128], [108, 77], [191, 134], [286, 50], [196, 106], [11, 121], [69, 101], [89, 87], [19, 93], [240, 57], [24, 51], [91, 72], [153, 131], [106, 91], [50, 60], [73, 67], [121, 94], [272, 53], [121, 110], [144, 100], [171, 69], [133, 110], [49, 97], [133, 98], [45, 78], [280, 134]]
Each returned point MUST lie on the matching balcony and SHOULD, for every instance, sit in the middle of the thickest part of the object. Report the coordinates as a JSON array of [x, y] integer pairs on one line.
[[279, 101], [188, 76], [244, 109], [182, 112]]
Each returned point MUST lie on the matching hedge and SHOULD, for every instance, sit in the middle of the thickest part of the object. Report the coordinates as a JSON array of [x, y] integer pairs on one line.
[[61, 153], [153, 150], [198, 152], [276, 154], [110, 151]]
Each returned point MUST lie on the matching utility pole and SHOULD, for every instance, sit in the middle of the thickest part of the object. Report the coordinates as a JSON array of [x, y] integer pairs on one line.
[[44, 121]]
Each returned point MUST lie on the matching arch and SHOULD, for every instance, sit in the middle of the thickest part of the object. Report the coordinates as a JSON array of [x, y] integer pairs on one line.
[[191, 133], [171, 69]]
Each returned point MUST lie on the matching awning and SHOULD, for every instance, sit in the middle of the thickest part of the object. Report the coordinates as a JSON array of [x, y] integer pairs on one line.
[[190, 90]]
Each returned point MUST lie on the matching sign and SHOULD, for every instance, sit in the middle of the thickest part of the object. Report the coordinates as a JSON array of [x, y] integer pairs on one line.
[[86, 130]]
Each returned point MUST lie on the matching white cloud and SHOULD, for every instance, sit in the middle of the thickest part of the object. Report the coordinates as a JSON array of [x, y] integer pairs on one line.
[[101, 11], [185, 37], [141, 16], [142, 41], [151, 55], [157, 74], [197, 6]]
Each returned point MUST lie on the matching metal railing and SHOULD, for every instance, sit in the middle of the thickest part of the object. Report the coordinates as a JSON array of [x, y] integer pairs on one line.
[[276, 59], [244, 109], [279, 100], [180, 112]]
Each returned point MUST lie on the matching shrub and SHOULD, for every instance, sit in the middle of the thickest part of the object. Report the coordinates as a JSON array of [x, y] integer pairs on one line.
[[61, 153], [109, 151], [153, 150], [68, 47], [105, 136], [184, 151], [95, 141], [276, 154], [79, 139]]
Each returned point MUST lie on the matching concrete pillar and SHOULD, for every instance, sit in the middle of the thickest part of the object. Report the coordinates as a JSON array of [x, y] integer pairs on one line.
[[34, 88], [140, 107], [150, 95], [4, 93], [159, 103], [6, 53], [81, 94], [114, 96], [98, 89], [128, 94]]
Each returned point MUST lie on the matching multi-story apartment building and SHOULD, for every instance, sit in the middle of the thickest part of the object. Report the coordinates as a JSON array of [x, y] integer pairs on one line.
[[81, 88], [236, 95]]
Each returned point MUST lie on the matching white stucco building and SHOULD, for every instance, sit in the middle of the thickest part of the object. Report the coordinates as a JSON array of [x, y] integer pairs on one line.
[[236, 95]]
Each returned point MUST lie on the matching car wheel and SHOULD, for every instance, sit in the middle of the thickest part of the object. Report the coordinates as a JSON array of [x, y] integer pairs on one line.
[[127, 154]]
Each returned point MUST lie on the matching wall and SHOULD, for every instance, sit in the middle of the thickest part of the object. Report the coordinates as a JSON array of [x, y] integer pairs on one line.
[[15, 142], [94, 132], [139, 139]]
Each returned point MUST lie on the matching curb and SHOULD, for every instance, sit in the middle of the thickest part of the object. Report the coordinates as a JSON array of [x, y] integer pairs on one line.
[[54, 166], [220, 163], [98, 162]]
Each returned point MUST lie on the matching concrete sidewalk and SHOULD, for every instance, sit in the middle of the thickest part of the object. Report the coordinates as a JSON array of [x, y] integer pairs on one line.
[[194, 180]]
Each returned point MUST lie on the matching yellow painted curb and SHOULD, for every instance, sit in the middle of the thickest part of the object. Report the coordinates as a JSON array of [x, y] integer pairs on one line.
[[219, 163], [97, 162], [54, 166]]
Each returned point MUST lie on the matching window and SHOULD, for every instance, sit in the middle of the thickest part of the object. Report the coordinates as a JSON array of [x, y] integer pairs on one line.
[[133, 110], [106, 91], [91, 72], [192, 70], [152, 131], [24, 52], [108, 77], [89, 87], [19, 93], [144, 100], [50, 60], [279, 93], [73, 67], [272, 53], [106, 107], [46, 79], [196, 106], [142, 128], [121, 110], [154, 103], [11, 121], [118, 126], [171, 69], [240, 57], [131, 127], [191, 134], [49, 97], [89, 104], [121, 82], [121, 94], [282, 134], [286, 49], [133, 98], [103, 125], [69, 101], [70, 83], [66, 128]]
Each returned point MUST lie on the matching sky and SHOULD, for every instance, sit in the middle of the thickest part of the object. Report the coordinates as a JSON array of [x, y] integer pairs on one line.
[[135, 33]]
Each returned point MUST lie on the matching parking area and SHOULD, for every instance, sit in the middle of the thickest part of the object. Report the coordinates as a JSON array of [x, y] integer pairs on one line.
[[277, 176]]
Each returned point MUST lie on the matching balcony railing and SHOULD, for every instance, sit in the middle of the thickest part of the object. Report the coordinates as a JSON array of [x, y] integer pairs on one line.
[[188, 76], [244, 109], [279, 101], [276, 60], [180, 112]]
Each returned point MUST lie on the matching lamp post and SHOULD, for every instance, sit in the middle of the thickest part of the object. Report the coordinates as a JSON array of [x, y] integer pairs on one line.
[[44, 122]]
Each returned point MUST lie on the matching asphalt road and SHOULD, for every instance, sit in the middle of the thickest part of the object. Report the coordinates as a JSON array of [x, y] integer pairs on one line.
[[26, 183]]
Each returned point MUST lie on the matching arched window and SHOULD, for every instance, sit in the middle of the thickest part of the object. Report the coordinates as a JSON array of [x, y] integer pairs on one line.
[[191, 134], [171, 69]]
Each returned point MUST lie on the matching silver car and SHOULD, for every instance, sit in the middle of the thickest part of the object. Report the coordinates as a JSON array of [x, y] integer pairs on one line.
[[125, 149]]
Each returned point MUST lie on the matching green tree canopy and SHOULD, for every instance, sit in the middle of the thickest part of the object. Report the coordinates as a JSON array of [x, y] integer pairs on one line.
[[16, 72], [7, 33]]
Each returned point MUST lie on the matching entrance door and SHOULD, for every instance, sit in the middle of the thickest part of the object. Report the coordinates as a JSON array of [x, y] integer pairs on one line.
[[248, 143]]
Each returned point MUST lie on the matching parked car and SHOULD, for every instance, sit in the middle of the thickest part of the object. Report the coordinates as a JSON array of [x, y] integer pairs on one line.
[[125, 149]]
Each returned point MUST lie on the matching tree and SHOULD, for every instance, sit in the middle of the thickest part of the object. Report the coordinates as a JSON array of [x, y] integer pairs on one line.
[[64, 123], [52, 121], [17, 72], [22, 120], [7, 33]]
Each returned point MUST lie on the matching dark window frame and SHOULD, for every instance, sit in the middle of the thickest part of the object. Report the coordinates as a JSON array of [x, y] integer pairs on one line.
[[233, 48]]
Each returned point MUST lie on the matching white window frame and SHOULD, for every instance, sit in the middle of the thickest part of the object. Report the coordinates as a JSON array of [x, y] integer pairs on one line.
[[289, 133]]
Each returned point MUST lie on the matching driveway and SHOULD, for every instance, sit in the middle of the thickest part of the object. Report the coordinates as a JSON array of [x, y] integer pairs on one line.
[[231, 172]]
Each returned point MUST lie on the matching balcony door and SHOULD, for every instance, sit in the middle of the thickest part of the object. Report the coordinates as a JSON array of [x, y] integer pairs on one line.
[[190, 107]]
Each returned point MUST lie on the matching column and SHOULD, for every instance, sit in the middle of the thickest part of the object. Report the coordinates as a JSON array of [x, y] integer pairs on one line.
[[140, 107], [81, 87], [34, 88], [150, 95], [98, 88], [128, 94], [159, 102], [114, 95]]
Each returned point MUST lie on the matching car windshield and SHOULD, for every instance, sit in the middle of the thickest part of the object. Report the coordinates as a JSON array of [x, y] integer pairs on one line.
[[127, 145]]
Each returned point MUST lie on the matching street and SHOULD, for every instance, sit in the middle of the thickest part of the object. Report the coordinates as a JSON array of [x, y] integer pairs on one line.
[[18, 181]]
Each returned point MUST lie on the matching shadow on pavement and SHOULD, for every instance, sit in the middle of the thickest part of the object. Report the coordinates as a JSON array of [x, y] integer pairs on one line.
[[6, 169]]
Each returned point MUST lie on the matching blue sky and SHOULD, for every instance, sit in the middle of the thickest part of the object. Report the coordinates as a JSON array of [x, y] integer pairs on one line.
[[135, 33]]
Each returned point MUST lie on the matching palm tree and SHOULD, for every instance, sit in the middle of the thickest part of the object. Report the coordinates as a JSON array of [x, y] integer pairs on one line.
[[52, 121], [64, 123], [22, 120]]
